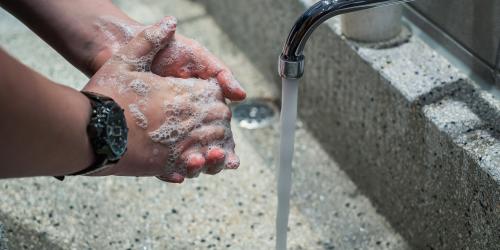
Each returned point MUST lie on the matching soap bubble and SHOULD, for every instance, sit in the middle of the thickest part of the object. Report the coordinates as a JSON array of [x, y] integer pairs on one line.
[[140, 118]]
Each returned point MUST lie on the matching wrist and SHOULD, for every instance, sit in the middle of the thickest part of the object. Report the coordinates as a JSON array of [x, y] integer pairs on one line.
[[87, 155], [107, 133], [74, 149]]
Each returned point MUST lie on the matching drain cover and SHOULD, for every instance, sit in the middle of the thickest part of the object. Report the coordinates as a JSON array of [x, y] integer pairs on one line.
[[255, 113]]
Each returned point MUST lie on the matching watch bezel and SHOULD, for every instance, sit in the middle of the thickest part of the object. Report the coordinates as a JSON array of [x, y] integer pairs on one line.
[[107, 118], [117, 143]]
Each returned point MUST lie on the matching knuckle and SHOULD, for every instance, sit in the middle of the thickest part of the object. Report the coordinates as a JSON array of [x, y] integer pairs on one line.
[[219, 107], [224, 109], [228, 114]]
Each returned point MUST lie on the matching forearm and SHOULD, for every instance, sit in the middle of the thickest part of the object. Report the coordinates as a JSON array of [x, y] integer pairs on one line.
[[43, 127], [70, 27]]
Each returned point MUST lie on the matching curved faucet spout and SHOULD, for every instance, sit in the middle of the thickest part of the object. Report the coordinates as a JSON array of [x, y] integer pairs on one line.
[[291, 63]]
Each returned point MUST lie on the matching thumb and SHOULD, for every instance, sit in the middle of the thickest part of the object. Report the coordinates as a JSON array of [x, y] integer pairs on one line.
[[140, 51]]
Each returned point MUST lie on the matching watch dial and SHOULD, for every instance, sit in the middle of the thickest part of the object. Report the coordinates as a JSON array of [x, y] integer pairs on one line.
[[117, 132]]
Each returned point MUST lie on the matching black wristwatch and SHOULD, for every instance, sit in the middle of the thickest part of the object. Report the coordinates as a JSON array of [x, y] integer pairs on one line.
[[107, 131]]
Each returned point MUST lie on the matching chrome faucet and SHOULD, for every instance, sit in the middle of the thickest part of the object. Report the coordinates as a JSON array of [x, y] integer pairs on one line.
[[291, 61]]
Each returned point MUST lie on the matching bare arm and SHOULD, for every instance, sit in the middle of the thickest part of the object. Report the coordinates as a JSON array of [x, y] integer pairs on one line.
[[70, 27], [177, 128], [81, 29], [43, 127]]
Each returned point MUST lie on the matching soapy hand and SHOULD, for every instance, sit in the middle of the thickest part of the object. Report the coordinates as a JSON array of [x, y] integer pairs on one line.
[[182, 57], [177, 127], [186, 58]]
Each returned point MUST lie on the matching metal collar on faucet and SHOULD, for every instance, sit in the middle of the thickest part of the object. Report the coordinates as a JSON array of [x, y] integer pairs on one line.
[[291, 61]]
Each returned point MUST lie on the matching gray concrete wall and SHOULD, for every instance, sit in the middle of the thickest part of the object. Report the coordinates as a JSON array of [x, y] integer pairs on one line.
[[475, 24], [412, 132]]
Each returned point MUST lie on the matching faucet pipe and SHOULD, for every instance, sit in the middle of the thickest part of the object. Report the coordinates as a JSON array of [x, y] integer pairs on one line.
[[291, 61]]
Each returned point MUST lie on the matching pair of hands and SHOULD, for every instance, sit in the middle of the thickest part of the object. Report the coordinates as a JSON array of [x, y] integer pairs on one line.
[[173, 92]]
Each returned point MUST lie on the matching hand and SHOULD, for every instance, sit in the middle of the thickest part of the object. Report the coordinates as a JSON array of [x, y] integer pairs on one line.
[[177, 127], [186, 58], [182, 57]]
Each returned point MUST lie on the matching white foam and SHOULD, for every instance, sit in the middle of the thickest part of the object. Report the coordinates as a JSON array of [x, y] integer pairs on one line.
[[140, 118], [179, 119]]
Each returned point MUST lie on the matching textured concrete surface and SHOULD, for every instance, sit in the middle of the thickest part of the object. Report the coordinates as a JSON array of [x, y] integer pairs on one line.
[[233, 210], [418, 137], [3, 243]]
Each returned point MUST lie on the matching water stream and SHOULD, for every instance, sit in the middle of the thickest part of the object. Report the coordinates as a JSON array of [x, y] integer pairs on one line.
[[287, 136]]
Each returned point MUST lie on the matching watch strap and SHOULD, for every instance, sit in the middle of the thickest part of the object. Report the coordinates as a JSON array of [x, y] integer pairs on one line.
[[98, 166], [102, 160]]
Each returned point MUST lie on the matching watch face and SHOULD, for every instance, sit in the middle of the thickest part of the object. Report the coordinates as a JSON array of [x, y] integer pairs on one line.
[[116, 132]]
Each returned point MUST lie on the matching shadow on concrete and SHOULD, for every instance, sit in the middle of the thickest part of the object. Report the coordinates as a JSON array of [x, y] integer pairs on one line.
[[463, 91], [18, 236]]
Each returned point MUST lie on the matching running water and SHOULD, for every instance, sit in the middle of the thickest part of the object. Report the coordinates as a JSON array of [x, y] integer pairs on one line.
[[288, 120]]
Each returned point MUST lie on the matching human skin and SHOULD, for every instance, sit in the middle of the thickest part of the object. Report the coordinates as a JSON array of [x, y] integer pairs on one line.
[[78, 31], [38, 136], [58, 147], [200, 114]]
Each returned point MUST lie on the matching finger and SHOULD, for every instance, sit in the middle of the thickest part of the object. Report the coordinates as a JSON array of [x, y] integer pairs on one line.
[[232, 161], [215, 155], [215, 160], [194, 162], [207, 91], [172, 178], [202, 136], [143, 47], [209, 66], [186, 59], [214, 169], [230, 86], [219, 112], [192, 159]]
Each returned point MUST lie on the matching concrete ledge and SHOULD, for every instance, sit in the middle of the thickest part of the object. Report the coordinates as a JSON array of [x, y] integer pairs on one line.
[[418, 137]]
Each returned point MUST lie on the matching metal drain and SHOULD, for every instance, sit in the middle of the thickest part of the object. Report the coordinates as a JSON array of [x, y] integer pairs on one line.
[[255, 113]]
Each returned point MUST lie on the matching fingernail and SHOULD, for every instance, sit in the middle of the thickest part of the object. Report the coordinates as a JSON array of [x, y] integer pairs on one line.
[[236, 88], [174, 178], [232, 162], [215, 155], [232, 84], [168, 23], [235, 84], [195, 162]]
